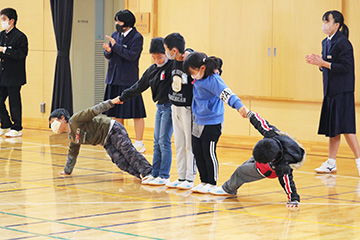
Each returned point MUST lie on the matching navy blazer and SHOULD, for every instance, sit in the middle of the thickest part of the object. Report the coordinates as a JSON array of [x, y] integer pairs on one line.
[[341, 77], [12, 62], [124, 57]]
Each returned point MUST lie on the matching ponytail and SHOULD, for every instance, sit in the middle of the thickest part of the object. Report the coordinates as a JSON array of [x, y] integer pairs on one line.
[[338, 18], [197, 59]]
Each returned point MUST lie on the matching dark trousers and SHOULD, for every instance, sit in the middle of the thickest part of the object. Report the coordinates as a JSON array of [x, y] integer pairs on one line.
[[122, 152], [206, 160], [15, 108]]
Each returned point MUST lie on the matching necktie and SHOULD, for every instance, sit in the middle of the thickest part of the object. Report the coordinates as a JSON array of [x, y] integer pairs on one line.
[[328, 46], [121, 38]]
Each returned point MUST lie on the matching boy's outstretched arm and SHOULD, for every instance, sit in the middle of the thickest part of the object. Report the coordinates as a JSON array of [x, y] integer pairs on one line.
[[261, 124], [73, 152]]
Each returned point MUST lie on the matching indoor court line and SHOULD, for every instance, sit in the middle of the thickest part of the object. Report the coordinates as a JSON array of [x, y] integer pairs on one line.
[[36, 234], [74, 225], [202, 207]]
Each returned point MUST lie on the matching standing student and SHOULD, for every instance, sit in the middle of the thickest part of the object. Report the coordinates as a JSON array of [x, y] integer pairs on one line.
[[13, 52], [158, 77], [338, 108], [180, 95], [123, 53], [209, 94], [86, 127]]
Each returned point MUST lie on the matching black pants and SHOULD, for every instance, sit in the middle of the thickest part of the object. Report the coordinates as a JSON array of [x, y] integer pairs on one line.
[[204, 149], [15, 108]]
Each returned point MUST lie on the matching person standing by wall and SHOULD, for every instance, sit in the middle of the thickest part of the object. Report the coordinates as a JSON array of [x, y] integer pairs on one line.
[[13, 52], [123, 52], [338, 108]]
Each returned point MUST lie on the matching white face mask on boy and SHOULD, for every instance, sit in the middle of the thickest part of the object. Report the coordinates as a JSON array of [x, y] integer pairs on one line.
[[171, 57], [5, 25], [55, 125]]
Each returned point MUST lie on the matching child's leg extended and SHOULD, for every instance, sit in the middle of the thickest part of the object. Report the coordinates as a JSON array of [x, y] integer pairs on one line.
[[118, 158], [245, 173], [119, 139]]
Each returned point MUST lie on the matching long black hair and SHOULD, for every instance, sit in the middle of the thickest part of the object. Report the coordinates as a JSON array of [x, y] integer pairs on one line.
[[197, 59], [338, 18]]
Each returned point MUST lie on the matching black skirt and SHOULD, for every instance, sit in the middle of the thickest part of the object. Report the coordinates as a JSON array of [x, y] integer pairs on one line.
[[338, 115], [134, 108]]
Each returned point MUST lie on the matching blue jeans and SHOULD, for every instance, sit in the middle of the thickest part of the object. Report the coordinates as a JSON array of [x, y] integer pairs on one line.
[[162, 141]]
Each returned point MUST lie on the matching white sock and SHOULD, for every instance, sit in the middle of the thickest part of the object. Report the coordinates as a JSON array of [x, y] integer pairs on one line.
[[138, 143], [331, 161], [357, 160]]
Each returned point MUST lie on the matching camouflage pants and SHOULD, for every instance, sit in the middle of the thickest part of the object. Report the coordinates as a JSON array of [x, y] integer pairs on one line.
[[122, 152]]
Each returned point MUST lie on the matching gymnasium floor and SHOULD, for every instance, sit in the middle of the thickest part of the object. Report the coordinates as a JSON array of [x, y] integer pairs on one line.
[[101, 202]]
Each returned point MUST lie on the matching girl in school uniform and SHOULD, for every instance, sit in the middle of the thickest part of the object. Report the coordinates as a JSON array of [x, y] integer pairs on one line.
[[338, 108], [209, 94]]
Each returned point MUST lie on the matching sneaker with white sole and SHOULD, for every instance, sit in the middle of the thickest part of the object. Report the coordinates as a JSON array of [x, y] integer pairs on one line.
[[140, 148], [206, 189], [13, 133], [4, 130], [174, 184], [147, 180], [219, 191], [185, 185], [195, 189], [159, 181], [326, 168]]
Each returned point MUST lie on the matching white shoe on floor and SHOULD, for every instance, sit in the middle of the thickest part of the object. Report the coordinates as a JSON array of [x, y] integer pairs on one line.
[[147, 180], [140, 148], [174, 184], [206, 189], [326, 167], [185, 185], [195, 189], [219, 191], [13, 133], [358, 166], [159, 181], [4, 130]]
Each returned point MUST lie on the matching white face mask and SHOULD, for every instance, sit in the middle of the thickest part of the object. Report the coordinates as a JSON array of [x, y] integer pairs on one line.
[[5, 25], [55, 125], [171, 57], [326, 29], [197, 76], [162, 64]]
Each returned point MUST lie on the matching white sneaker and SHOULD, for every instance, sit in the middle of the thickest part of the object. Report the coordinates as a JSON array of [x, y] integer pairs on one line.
[[185, 185], [326, 168], [140, 148], [174, 184], [147, 180], [159, 181], [4, 130], [358, 166], [13, 133], [219, 191], [207, 188], [195, 189]]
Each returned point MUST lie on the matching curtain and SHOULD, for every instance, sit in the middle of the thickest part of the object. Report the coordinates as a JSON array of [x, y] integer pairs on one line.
[[62, 15]]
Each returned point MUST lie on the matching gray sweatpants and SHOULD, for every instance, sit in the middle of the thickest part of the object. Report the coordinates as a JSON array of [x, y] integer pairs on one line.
[[122, 152], [245, 173]]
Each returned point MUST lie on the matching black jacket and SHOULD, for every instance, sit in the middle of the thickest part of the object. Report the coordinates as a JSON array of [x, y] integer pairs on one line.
[[12, 62], [158, 78], [292, 153], [341, 77], [124, 57]]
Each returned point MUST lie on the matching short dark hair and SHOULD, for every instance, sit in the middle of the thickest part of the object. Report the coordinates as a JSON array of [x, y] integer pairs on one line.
[[157, 45], [266, 150], [175, 40], [58, 113], [127, 17], [10, 13], [338, 18]]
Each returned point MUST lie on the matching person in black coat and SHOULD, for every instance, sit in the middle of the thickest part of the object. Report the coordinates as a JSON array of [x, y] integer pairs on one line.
[[338, 108], [13, 52], [123, 52]]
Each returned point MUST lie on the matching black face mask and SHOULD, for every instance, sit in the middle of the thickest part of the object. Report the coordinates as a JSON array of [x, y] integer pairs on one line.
[[120, 28]]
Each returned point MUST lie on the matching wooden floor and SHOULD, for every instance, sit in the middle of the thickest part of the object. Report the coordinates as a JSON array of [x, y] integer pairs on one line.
[[101, 202]]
